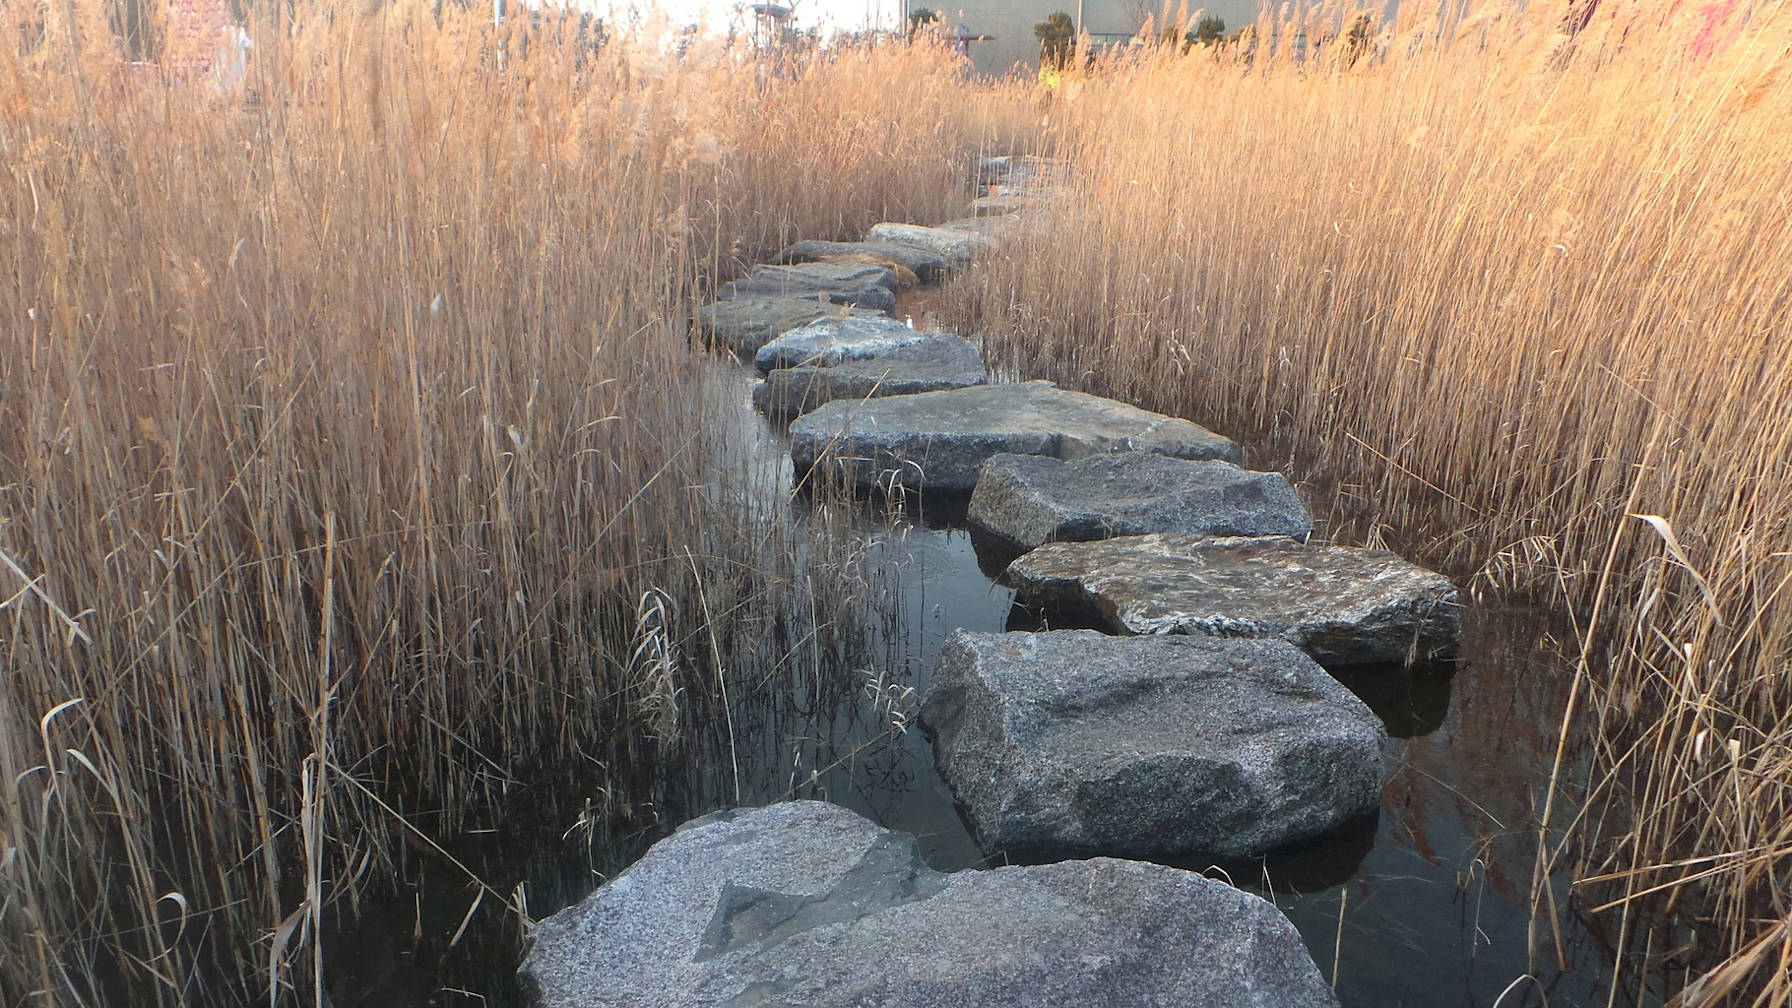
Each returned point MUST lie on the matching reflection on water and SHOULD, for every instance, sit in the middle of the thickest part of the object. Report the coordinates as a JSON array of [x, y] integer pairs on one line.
[[1423, 904]]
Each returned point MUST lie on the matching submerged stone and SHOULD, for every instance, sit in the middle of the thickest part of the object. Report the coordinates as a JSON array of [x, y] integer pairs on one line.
[[1342, 605], [928, 267], [1029, 500], [1072, 741], [938, 441], [742, 325], [808, 904], [936, 361]]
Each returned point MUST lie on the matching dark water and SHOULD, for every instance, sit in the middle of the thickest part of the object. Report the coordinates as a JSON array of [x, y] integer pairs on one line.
[[1425, 904]]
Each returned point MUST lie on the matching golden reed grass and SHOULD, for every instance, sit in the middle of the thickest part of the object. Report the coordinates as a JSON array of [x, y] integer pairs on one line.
[[1516, 286], [353, 466]]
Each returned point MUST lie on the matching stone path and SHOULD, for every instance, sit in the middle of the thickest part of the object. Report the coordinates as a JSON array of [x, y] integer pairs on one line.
[[1195, 726]]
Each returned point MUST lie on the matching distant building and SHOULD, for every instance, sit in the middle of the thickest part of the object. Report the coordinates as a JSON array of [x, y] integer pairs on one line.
[[1007, 25]]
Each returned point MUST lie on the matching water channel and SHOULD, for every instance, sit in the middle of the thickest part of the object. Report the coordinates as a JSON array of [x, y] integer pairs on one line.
[[1425, 904]]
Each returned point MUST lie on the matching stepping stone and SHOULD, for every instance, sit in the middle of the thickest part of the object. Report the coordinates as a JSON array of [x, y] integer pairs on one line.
[[858, 284], [992, 228], [808, 904], [1029, 500], [1341, 605], [938, 441], [1021, 170], [1001, 206], [743, 325], [936, 361], [832, 340], [928, 267], [1072, 742], [957, 247]]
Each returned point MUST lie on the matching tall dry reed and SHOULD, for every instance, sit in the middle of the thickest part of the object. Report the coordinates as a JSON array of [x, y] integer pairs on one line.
[[354, 467], [1517, 288]]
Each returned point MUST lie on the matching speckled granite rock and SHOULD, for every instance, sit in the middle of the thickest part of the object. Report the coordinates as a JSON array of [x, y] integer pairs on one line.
[[743, 325], [832, 340], [928, 267], [957, 247], [936, 362], [938, 441], [1028, 500], [808, 905], [1148, 746], [1340, 605]]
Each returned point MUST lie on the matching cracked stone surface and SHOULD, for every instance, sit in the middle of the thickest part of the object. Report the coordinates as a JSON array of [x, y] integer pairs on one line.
[[1029, 500], [939, 441], [832, 340], [1342, 605], [807, 905], [1078, 742]]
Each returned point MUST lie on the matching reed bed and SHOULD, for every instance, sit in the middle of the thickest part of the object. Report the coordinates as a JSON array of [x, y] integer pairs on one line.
[[1514, 285], [356, 476]]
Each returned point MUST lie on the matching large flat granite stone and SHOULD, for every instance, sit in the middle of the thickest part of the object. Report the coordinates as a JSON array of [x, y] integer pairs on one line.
[[1028, 500], [1341, 605], [863, 284], [936, 361], [808, 905], [744, 324], [832, 340], [929, 267], [956, 246], [938, 441], [1078, 742]]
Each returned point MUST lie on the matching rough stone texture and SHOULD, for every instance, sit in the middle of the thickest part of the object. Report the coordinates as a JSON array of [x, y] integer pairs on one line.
[[858, 284], [743, 325], [1029, 500], [1341, 605], [1021, 171], [1073, 741], [992, 228], [929, 267], [999, 206], [956, 246], [935, 362], [807, 905], [938, 441], [810, 277], [832, 340]]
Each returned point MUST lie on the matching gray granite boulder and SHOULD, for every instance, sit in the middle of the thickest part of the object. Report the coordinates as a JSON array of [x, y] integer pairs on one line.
[[808, 905], [832, 340], [938, 441], [1341, 605], [936, 361], [999, 206], [957, 247], [1028, 500], [928, 267], [857, 284], [1073, 741], [742, 325]]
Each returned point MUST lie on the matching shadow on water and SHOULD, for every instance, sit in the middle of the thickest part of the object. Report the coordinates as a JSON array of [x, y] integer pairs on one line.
[[1422, 904]]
